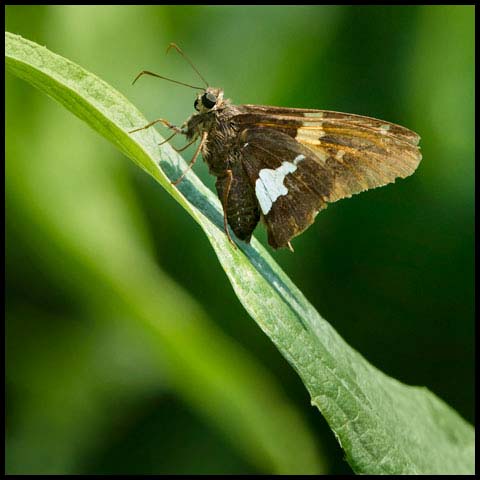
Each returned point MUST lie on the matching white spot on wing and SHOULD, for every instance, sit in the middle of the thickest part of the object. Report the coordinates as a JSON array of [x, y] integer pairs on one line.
[[269, 185], [313, 114], [310, 136], [298, 159], [384, 129], [322, 155]]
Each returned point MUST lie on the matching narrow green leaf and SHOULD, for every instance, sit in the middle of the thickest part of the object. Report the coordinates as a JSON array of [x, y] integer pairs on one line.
[[383, 425], [84, 230]]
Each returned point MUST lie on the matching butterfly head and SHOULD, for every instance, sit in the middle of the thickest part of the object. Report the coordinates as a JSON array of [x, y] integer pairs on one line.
[[210, 99]]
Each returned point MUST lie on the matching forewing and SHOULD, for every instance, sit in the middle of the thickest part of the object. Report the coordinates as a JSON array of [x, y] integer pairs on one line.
[[345, 154], [366, 147], [364, 152], [294, 118]]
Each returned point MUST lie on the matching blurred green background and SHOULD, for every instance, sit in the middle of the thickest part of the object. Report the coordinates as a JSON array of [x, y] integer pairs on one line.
[[90, 387]]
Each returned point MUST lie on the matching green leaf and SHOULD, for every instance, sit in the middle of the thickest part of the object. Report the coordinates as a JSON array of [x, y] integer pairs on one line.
[[84, 230], [383, 425]]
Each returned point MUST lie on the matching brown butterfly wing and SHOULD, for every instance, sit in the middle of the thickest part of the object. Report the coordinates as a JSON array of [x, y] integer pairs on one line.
[[311, 118], [344, 154], [289, 202]]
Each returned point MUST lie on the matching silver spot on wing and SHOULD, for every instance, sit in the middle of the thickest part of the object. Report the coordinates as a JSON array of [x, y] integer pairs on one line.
[[269, 185]]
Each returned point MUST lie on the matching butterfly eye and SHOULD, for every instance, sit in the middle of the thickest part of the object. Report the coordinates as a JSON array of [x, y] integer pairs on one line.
[[209, 100], [195, 105]]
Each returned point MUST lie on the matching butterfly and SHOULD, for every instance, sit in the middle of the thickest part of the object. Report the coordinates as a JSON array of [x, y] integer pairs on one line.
[[283, 165]]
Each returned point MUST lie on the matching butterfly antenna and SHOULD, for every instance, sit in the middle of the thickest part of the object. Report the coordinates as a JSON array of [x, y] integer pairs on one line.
[[180, 51], [146, 72]]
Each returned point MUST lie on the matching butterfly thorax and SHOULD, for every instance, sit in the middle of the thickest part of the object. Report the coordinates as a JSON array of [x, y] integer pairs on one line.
[[221, 143]]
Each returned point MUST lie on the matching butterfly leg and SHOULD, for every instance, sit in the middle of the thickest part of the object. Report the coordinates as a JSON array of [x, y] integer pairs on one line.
[[194, 159], [185, 146], [160, 120], [168, 139], [177, 149], [224, 204]]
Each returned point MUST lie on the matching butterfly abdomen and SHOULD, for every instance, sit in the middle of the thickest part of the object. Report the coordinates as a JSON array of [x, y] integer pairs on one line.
[[240, 205]]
